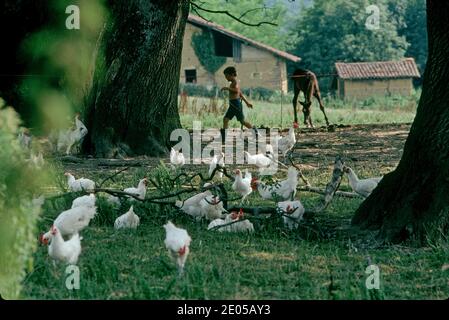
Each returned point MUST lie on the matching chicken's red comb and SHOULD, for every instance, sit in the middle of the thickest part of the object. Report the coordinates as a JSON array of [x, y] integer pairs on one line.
[[182, 251]]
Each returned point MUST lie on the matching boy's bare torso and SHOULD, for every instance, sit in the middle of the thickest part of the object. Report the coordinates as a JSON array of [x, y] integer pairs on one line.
[[234, 95]]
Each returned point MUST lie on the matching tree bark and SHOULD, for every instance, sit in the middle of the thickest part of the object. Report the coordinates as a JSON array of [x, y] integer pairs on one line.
[[132, 107], [413, 200]]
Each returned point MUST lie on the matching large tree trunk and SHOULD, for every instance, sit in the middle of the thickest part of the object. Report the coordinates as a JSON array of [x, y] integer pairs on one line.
[[132, 107], [413, 201]]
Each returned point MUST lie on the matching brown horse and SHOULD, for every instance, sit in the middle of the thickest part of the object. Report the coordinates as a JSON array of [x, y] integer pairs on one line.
[[306, 81]]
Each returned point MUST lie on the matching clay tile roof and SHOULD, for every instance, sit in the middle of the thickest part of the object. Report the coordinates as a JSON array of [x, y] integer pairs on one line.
[[211, 25], [405, 68]]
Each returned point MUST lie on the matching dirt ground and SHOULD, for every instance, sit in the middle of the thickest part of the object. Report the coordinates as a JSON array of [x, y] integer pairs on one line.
[[378, 147]]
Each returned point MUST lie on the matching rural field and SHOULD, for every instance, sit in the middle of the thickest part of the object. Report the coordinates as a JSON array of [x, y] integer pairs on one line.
[[323, 259], [121, 178], [278, 115]]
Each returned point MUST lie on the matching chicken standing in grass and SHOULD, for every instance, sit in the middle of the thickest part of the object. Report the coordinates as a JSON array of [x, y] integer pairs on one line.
[[259, 160], [237, 226], [212, 207], [73, 221], [69, 138], [129, 220], [177, 159], [141, 189], [283, 190], [177, 241], [294, 211], [287, 143], [217, 159], [82, 184], [192, 205], [363, 187], [60, 250], [140, 192], [242, 185], [84, 201]]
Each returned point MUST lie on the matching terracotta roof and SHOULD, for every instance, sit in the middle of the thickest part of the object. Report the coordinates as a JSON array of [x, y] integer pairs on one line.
[[405, 68], [200, 21]]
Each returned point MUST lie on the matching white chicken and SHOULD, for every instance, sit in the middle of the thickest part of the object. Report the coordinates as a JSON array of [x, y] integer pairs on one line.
[[363, 187], [129, 220], [84, 201], [177, 241], [294, 210], [73, 221], [260, 160], [217, 159], [69, 138], [177, 158], [211, 207], [283, 190], [60, 250], [141, 189], [240, 226], [140, 192], [287, 143], [192, 205], [242, 185], [82, 184]]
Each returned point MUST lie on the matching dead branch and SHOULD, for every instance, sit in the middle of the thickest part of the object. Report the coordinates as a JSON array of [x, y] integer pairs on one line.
[[331, 187], [301, 175], [103, 162], [197, 7], [337, 193]]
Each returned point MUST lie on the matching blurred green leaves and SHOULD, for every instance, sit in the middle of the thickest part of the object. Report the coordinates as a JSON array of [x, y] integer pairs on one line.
[[60, 67]]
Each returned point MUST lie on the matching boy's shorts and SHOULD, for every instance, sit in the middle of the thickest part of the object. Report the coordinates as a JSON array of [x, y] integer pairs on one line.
[[235, 110]]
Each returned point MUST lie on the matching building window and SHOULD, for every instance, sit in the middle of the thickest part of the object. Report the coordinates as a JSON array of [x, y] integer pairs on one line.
[[237, 50], [190, 75], [223, 45]]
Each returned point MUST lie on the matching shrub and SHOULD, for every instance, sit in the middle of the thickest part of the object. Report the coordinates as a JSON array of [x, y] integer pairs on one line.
[[19, 184]]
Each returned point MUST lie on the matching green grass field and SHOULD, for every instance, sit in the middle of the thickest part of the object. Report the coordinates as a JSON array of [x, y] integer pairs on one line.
[[272, 114], [273, 263]]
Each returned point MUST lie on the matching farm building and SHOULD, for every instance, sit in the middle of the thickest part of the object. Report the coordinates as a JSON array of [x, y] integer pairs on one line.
[[364, 79], [257, 64]]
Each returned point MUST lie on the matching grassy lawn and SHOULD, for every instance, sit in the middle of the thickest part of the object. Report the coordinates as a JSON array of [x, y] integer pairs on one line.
[[270, 114], [272, 263]]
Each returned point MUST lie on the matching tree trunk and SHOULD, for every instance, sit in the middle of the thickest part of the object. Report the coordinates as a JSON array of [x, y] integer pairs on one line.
[[413, 201], [132, 107]]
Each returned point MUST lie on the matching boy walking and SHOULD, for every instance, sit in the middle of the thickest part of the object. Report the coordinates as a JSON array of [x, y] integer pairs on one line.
[[235, 103]]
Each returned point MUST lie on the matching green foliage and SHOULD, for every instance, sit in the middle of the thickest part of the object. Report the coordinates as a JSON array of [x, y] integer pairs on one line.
[[331, 31], [203, 44], [281, 37], [416, 32], [20, 182]]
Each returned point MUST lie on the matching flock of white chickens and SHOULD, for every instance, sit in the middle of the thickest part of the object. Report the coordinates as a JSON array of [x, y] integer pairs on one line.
[[64, 240]]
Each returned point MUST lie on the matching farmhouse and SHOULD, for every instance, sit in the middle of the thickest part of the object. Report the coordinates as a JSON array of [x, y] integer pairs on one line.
[[364, 79], [258, 65]]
